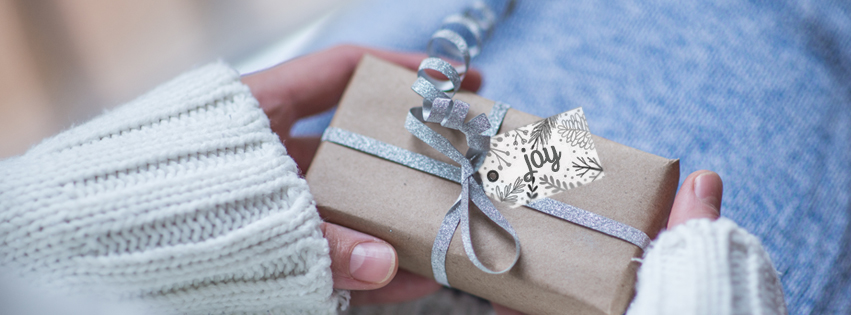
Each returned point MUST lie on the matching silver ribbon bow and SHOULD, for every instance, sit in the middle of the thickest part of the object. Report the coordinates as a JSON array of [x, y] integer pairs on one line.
[[438, 107], [451, 114]]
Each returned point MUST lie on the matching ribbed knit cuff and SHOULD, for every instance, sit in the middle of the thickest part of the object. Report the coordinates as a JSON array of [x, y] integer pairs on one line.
[[707, 267], [182, 198]]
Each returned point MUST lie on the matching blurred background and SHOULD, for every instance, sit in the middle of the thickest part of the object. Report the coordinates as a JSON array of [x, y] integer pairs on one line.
[[62, 62], [758, 91]]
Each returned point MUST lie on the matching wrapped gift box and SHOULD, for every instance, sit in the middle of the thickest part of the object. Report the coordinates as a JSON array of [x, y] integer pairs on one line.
[[564, 268]]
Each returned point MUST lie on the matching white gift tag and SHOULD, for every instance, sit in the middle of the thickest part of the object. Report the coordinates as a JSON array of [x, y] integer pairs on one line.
[[541, 159]]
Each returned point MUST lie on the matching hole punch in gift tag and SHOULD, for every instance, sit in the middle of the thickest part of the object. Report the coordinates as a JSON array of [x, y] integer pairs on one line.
[[541, 159]]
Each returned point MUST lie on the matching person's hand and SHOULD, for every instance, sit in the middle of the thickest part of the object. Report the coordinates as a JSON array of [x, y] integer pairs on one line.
[[310, 85], [698, 198]]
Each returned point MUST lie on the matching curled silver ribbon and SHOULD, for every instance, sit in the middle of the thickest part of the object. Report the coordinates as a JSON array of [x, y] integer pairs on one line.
[[451, 114], [469, 30], [460, 38], [438, 107]]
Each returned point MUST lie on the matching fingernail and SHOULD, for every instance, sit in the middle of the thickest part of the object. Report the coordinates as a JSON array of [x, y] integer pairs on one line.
[[705, 190], [372, 262]]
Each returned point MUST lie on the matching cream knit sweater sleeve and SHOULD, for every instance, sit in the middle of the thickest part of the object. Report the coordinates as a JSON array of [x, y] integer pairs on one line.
[[183, 199], [707, 267]]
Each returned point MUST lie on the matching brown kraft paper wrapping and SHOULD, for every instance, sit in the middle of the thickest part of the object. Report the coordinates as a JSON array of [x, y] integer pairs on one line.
[[563, 268]]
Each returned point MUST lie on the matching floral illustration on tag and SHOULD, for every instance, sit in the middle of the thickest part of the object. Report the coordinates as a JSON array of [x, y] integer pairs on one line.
[[541, 159]]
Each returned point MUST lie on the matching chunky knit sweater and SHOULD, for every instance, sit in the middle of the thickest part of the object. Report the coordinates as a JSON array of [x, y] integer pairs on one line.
[[184, 201], [183, 197], [706, 267]]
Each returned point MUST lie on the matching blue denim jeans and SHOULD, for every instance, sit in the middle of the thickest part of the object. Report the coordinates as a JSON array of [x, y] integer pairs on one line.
[[759, 92]]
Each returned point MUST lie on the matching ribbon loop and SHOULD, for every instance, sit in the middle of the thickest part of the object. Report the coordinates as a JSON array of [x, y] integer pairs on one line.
[[482, 201], [457, 114], [416, 126], [451, 114], [469, 30], [448, 42], [454, 77], [428, 91], [438, 110]]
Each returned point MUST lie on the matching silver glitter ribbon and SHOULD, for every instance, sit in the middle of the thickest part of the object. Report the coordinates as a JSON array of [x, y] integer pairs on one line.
[[439, 107], [451, 114], [472, 189]]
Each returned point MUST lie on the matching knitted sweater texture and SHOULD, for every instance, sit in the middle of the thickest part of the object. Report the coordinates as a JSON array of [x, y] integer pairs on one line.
[[706, 267], [185, 201], [183, 198]]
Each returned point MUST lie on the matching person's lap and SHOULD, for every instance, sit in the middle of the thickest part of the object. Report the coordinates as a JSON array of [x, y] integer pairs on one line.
[[760, 93]]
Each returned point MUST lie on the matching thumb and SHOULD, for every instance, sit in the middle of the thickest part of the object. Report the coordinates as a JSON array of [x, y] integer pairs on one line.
[[699, 197], [359, 261]]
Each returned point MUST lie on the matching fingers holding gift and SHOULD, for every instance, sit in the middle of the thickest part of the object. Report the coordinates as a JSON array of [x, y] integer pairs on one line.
[[699, 197], [359, 261], [314, 83]]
